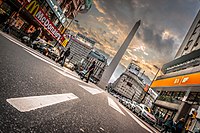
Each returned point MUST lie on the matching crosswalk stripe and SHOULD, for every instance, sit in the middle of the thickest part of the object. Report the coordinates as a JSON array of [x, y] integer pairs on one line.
[[112, 104], [24, 104], [91, 90]]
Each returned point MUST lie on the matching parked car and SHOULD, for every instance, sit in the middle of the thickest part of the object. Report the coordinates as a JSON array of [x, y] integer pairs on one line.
[[122, 100], [26, 39], [39, 44], [132, 105], [144, 111], [126, 103], [53, 53]]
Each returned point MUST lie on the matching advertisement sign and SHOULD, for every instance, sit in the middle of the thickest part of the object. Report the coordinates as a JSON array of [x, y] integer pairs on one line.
[[146, 88], [152, 93], [184, 80], [34, 9], [57, 10]]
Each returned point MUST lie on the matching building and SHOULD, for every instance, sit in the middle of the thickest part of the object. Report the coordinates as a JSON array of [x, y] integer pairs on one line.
[[52, 15], [79, 50], [101, 63], [179, 87], [129, 84]]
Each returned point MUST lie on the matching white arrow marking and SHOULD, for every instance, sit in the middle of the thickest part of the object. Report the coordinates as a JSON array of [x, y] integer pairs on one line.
[[114, 105], [91, 90], [139, 122], [24, 104]]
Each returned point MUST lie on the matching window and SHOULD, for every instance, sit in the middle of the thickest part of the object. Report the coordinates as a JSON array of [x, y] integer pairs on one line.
[[188, 45], [196, 43]]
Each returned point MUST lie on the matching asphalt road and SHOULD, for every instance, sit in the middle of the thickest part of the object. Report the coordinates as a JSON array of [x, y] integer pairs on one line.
[[37, 95]]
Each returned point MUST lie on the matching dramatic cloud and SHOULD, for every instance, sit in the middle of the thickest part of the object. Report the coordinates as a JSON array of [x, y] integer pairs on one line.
[[164, 25]]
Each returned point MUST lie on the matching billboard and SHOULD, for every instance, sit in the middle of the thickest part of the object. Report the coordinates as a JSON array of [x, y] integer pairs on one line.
[[33, 7]]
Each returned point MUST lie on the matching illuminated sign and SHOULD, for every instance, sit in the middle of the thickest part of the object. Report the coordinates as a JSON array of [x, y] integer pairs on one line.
[[35, 10], [42, 18], [33, 7], [57, 10], [190, 79]]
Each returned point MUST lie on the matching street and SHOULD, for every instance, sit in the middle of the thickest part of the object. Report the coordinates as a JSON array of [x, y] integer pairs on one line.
[[38, 95]]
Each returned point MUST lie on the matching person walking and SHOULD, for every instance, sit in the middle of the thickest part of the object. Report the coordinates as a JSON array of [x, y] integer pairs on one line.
[[6, 27], [168, 125], [180, 125], [35, 34], [63, 56], [90, 71]]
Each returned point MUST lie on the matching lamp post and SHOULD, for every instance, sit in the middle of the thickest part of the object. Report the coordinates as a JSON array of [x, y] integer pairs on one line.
[[63, 31], [150, 85], [68, 25]]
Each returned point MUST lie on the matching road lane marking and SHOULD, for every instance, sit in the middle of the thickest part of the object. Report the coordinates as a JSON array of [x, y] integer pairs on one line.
[[138, 121], [24, 104], [55, 66], [67, 75], [112, 104], [91, 90], [41, 58]]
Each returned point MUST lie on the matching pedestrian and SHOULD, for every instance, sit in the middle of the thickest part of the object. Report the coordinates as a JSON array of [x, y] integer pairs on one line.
[[180, 125], [90, 71], [6, 27], [168, 125], [63, 56], [35, 34]]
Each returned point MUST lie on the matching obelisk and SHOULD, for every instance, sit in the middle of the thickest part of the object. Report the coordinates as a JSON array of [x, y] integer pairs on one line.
[[115, 61]]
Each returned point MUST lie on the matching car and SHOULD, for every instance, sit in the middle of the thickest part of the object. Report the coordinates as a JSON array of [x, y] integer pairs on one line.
[[132, 105], [39, 44], [26, 39], [126, 103], [53, 52], [122, 100], [144, 112]]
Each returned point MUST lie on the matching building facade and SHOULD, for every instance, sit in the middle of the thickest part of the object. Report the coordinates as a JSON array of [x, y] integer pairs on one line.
[[101, 63], [51, 15], [179, 87], [79, 50], [129, 84]]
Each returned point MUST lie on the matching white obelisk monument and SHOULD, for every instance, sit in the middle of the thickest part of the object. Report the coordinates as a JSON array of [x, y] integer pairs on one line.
[[115, 61]]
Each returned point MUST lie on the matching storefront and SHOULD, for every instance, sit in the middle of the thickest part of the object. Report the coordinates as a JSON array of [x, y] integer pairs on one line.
[[31, 16], [178, 96]]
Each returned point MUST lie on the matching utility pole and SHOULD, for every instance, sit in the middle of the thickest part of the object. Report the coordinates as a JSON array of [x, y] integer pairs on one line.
[[150, 85]]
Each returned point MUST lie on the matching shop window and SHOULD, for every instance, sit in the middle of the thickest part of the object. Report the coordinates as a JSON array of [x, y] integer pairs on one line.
[[5, 8]]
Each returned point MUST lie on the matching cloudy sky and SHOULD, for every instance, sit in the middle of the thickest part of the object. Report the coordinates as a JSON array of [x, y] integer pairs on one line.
[[164, 24]]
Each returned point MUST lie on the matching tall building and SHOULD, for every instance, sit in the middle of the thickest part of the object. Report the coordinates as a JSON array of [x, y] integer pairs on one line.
[[129, 84], [79, 50], [179, 87]]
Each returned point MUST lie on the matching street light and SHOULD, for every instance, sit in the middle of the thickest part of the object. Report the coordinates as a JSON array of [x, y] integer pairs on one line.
[[150, 85], [68, 25]]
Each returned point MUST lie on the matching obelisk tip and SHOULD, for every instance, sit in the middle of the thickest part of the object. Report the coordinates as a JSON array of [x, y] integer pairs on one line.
[[138, 21]]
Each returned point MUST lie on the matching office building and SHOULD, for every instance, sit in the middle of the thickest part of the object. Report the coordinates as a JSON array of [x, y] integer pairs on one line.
[[101, 63], [79, 50], [179, 87], [129, 85]]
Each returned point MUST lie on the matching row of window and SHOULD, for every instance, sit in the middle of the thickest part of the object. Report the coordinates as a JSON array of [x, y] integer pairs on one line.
[[193, 41]]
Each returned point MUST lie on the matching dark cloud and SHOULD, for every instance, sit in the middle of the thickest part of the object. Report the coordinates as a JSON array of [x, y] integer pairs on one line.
[[163, 48]]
